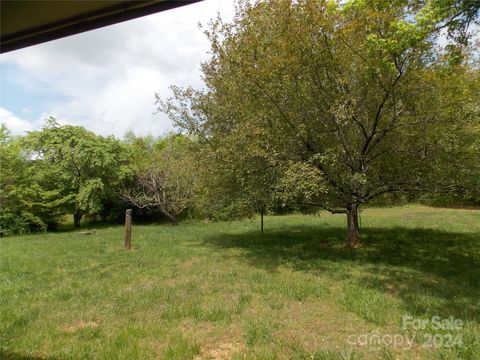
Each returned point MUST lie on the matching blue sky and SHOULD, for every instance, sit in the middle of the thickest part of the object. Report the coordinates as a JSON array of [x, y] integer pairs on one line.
[[21, 99], [106, 79]]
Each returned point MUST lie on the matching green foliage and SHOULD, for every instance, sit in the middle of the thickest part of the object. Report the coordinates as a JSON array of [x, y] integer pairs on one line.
[[62, 170], [301, 186], [20, 222], [163, 176], [357, 91], [78, 169], [22, 209], [307, 105]]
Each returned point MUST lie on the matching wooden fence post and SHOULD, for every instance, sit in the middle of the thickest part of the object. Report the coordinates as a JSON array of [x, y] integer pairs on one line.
[[128, 229]]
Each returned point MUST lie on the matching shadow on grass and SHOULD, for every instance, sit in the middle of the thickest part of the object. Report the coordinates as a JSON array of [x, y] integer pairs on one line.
[[98, 225], [432, 272], [5, 355]]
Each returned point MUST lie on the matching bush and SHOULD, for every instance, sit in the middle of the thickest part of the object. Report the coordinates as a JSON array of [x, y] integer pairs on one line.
[[21, 223]]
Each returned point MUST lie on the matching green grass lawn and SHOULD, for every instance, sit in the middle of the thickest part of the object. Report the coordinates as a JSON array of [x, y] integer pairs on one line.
[[224, 291]]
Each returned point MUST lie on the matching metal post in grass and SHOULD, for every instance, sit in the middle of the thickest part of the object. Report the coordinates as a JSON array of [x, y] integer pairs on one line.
[[128, 229]]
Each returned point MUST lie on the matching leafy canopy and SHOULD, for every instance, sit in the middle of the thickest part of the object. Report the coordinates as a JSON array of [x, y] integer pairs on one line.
[[355, 90]]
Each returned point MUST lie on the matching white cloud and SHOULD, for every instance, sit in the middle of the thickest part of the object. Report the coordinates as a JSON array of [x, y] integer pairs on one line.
[[106, 79], [15, 124]]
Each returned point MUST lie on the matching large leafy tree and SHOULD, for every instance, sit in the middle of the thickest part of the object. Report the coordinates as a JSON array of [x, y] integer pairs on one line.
[[23, 204], [81, 169], [164, 176], [347, 94], [238, 177]]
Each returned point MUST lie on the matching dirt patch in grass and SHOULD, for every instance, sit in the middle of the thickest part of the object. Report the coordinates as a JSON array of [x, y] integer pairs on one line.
[[191, 263], [222, 351], [80, 325]]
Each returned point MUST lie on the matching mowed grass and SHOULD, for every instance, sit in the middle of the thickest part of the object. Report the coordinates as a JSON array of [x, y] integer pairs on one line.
[[225, 291]]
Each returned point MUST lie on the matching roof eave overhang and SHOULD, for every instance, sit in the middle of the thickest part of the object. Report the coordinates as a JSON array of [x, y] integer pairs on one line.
[[104, 16]]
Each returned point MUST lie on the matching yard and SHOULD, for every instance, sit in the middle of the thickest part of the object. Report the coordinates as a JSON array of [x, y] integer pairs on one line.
[[225, 291]]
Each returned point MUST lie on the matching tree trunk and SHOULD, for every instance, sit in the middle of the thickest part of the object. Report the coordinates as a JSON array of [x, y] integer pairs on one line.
[[77, 217], [353, 232], [261, 220], [169, 216], [172, 218]]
